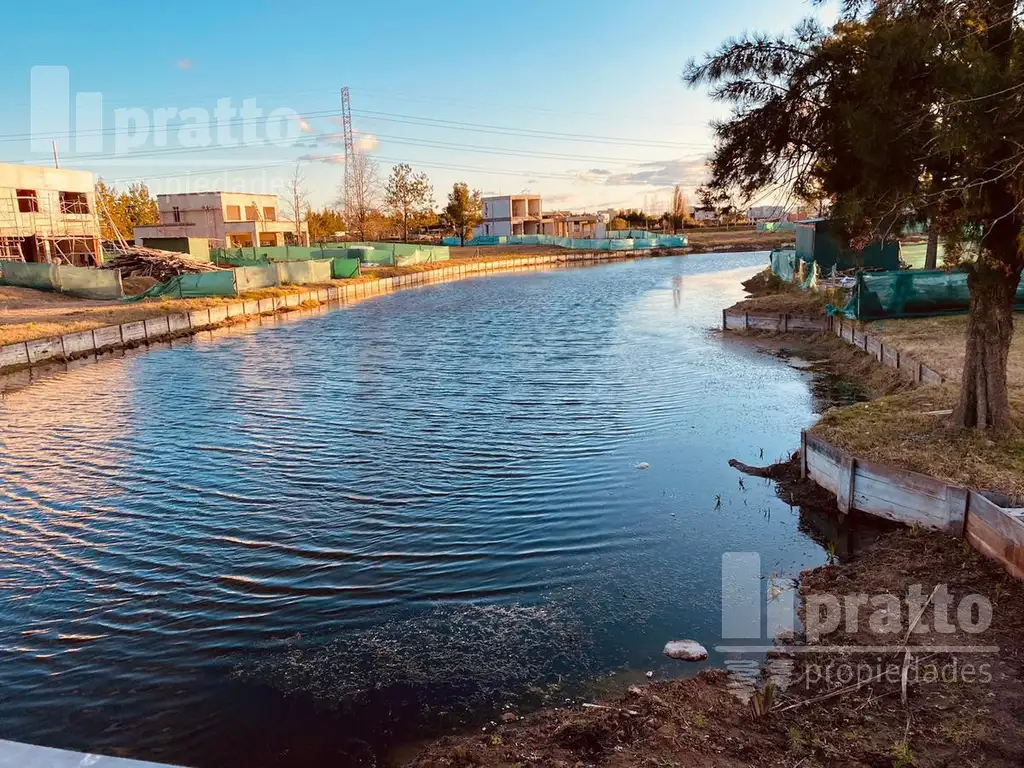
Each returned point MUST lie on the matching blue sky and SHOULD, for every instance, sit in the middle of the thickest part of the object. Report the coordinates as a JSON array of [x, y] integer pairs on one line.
[[580, 101]]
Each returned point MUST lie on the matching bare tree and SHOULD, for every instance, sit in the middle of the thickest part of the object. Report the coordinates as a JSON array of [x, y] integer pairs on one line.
[[363, 182], [297, 200]]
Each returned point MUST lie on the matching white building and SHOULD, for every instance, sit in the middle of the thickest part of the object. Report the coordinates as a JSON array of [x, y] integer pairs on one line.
[[507, 215], [48, 215], [226, 219], [766, 213]]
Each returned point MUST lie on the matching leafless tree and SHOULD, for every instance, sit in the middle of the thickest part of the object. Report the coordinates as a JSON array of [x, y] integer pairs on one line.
[[297, 200], [363, 182]]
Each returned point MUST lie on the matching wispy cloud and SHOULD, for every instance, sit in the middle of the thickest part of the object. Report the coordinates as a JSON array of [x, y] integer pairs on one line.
[[335, 159], [658, 173], [185, 64]]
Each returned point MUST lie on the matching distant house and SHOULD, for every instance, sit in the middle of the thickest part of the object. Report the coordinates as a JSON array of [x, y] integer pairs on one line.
[[227, 219], [706, 215], [507, 215], [48, 215], [761, 213]]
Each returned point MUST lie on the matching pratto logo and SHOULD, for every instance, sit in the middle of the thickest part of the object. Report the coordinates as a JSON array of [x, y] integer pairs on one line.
[[134, 128], [755, 611]]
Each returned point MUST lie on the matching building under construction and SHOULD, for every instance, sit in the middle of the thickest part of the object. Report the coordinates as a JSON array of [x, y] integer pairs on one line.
[[48, 215]]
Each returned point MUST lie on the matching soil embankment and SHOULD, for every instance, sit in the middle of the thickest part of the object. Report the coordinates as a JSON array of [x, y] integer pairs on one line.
[[866, 693]]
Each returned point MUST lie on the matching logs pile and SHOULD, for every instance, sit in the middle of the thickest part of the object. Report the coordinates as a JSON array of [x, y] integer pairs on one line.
[[136, 261]]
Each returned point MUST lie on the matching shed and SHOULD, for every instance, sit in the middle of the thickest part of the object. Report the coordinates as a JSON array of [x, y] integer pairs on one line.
[[824, 242], [197, 248]]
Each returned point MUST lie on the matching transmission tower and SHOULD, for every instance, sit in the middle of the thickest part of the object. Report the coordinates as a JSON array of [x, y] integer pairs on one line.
[[350, 150]]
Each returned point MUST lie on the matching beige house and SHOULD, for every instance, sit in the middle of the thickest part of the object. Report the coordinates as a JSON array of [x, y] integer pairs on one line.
[[48, 215], [226, 219]]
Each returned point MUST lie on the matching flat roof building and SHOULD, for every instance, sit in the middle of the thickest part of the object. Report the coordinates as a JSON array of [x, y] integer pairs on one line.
[[48, 215], [226, 219]]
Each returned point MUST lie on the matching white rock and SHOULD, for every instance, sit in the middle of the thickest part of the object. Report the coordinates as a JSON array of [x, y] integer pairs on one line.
[[685, 650], [650, 674], [643, 465]]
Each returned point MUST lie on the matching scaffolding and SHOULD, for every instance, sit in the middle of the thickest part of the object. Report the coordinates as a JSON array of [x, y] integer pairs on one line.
[[48, 226]]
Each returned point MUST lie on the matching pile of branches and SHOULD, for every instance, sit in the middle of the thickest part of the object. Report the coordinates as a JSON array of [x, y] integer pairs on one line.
[[136, 261]]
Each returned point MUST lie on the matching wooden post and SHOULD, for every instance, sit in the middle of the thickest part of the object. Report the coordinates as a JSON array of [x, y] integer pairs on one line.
[[803, 454], [725, 321], [746, 320], [847, 471], [957, 502]]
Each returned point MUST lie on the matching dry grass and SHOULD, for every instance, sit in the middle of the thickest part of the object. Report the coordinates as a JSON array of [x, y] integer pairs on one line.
[[941, 343], [769, 293], [902, 430], [898, 430]]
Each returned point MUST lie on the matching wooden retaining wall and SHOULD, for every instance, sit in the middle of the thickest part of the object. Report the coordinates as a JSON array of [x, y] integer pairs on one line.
[[847, 330], [88, 343], [887, 492], [912, 498]]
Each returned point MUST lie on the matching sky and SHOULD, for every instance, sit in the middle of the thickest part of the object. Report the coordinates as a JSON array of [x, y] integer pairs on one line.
[[580, 101]]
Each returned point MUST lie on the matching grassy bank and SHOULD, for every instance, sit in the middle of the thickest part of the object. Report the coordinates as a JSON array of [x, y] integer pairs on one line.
[[908, 426]]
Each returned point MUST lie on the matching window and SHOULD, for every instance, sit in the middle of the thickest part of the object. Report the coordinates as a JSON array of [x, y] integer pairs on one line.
[[176, 212], [251, 213], [27, 201], [269, 214], [233, 213], [74, 202]]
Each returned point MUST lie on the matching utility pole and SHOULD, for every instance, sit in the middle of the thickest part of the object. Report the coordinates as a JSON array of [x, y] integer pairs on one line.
[[350, 147]]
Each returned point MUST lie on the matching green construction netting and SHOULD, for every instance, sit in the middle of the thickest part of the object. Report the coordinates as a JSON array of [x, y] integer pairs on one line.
[[911, 293], [585, 244], [342, 267], [202, 285], [254, 278], [86, 282]]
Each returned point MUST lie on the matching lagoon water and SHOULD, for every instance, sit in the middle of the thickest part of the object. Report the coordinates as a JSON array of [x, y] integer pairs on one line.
[[315, 541]]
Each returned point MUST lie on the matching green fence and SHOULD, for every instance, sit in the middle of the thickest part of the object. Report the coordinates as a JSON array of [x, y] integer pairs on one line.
[[342, 268], [85, 282], [233, 282], [586, 243], [912, 293]]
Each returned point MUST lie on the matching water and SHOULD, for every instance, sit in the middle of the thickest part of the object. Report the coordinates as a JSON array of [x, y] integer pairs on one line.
[[317, 540]]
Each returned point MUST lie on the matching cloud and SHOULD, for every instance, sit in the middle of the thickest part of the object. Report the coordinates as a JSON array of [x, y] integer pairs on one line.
[[303, 125], [658, 173], [185, 64], [365, 142], [335, 159]]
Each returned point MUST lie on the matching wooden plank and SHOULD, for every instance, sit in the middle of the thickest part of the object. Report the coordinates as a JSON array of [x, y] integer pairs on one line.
[[44, 349], [891, 356], [78, 343], [761, 322], [333, 294], [816, 445], [235, 310], [801, 323], [13, 354], [157, 327], [265, 306], [291, 300], [873, 346], [882, 497], [251, 307], [218, 314], [803, 454], [321, 295], [858, 338], [200, 318], [178, 322], [107, 337], [928, 376], [923, 485], [822, 470], [131, 332]]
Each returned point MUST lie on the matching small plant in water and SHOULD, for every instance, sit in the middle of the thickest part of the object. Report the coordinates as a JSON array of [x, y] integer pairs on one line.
[[718, 501], [830, 553]]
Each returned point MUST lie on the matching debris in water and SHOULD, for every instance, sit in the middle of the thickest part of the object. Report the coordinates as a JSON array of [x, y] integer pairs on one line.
[[650, 674], [685, 650], [643, 465]]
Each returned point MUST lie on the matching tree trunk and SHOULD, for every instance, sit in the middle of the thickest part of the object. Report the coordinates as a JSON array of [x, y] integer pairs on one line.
[[984, 402], [931, 256]]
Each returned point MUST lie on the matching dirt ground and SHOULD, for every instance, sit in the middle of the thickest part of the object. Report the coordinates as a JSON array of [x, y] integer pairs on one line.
[[831, 701]]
